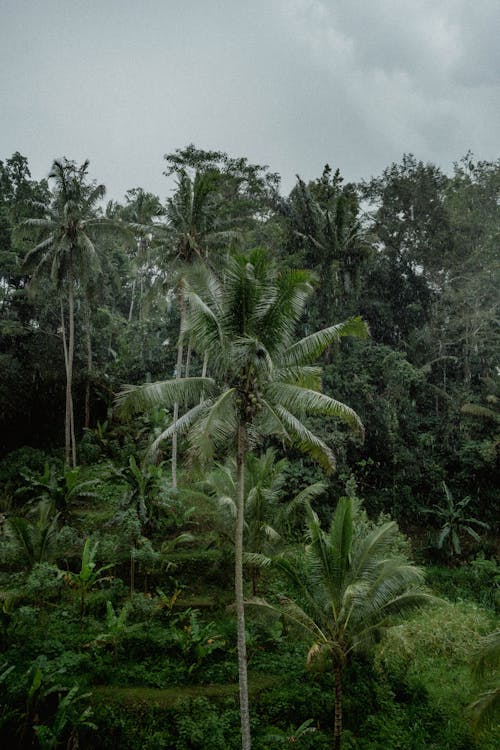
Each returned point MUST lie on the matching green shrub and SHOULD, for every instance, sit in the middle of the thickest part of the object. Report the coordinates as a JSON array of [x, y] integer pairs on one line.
[[478, 581]]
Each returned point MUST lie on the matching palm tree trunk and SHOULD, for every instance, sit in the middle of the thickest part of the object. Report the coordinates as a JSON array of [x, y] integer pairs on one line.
[[132, 298], [205, 365], [88, 335], [72, 424], [178, 374], [204, 374], [187, 366], [188, 360], [67, 413], [337, 729], [71, 353], [238, 580]]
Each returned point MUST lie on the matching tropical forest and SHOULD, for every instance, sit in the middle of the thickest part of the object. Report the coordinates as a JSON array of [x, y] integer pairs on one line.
[[249, 452]]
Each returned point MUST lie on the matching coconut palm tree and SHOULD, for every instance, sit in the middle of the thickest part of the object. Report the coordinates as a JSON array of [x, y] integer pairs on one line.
[[348, 585], [192, 224], [68, 255], [140, 212], [262, 382]]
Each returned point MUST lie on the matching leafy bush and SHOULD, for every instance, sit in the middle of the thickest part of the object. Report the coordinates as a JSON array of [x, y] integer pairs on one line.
[[12, 469], [44, 583], [477, 581]]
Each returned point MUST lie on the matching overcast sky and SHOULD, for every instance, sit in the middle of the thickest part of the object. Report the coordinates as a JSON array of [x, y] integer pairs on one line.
[[289, 83]]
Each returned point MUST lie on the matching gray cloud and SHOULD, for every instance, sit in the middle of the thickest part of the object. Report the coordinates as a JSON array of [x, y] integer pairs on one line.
[[291, 83]]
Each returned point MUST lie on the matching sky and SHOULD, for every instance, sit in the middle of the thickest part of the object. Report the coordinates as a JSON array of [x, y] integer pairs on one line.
[[289, 83]]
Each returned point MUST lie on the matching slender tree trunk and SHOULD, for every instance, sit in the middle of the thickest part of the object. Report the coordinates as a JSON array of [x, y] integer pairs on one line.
[[73, 439], [141, 294], [71, 353], [337, 729], [88, 336], [188, 360], [204, 374], [178, 374], [238, 580], [187, 366], [131, 308], [67, 413], [205, 365]]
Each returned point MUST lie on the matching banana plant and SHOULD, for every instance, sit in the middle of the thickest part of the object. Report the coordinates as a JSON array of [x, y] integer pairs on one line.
[[116, 628], [61, 489], [70, 713], [291, 735], [88, 576], [456, 522], [146, 489]]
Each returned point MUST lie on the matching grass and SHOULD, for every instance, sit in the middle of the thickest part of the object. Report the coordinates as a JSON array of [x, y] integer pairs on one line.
[[168, 697]]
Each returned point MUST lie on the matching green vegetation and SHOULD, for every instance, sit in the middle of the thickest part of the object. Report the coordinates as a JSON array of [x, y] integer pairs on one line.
[[261, 454]]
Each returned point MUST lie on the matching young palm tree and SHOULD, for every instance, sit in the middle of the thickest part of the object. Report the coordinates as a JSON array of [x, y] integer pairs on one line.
[[263, 383], [69, 256], [348, 585]]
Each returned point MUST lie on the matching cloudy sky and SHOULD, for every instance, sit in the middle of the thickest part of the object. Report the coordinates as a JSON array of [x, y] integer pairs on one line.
[[289, 83]]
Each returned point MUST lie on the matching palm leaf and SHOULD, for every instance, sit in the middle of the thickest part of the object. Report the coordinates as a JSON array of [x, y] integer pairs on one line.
[[136, 398], [304, 401], [214, 429], [308, 349], [182, 425], [304, 497], [302, 438]]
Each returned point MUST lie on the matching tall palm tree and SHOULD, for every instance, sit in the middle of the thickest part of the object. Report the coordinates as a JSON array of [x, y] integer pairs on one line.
[[348, 585], [324, 225], [68, 256], [263, 383], [191, 221], [140, 212]]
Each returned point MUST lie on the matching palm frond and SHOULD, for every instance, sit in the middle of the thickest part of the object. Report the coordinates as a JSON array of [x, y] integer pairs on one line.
[[484, 710], [305, 440], [308, 349], [136, 398], [368, 551], [340, 541], [292, 611], [488, 654], [304, 497], [304, 401], [215, 427], [305, 376], [181, 426]]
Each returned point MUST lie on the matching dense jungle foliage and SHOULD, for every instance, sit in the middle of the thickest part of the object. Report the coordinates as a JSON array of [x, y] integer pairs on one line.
[[237, 395]]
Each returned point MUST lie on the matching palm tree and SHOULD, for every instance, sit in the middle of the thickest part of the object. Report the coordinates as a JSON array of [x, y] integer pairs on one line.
[[323, 223], [263, 383], [140, 212], [192, 218], [348, 584], [69, 256]]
